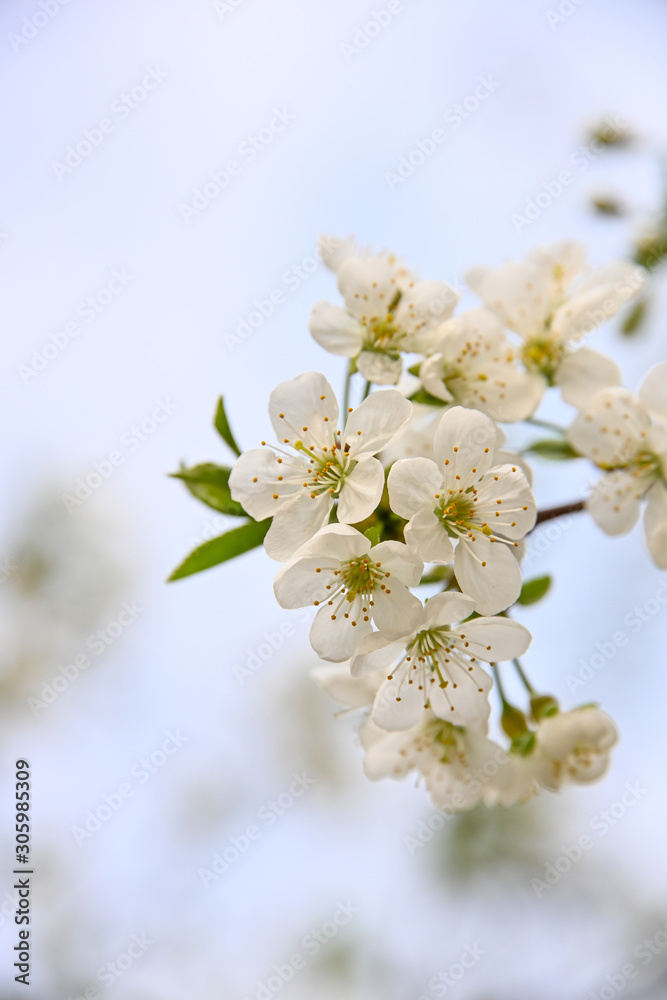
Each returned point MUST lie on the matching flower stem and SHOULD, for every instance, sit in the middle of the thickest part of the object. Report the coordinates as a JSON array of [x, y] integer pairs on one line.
[[499, 685], [367, 389], [556, 428], [524, 679], [566, 508]]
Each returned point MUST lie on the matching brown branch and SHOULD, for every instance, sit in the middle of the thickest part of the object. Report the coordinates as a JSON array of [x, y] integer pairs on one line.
[[566, 508]]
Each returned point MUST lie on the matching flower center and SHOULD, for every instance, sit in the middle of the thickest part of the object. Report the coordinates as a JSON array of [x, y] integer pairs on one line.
[[360, 577], [382, 334], [543, 355], [456, 511]]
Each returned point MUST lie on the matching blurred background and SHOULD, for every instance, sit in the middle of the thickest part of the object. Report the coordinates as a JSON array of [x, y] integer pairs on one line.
[[128, 275]]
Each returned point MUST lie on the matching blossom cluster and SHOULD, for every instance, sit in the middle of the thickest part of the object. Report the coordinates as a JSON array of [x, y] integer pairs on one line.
[[401, 520]]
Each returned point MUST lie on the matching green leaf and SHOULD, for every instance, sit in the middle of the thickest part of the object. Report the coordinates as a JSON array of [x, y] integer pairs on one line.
[[555, 449], [227, 546], [210, 484], [222, 427], [422, 396], [373, 535], [534, 590]]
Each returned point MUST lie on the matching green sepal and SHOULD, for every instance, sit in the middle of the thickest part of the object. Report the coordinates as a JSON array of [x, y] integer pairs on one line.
[[210, 484], [555, 449], [513, 721], [635, 318], [221, 425], [373, 535], [542, 706], [523, 744], [534, 590], [218, 550], [422, 396]]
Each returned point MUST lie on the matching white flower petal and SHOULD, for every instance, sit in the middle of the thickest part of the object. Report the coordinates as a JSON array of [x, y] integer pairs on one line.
[[517, 292], [294, 524], [412, 485], [376, 422], [397, 612], [465, 439], [333, 250], [611, 429], [447, 608], [398, 705], [615, 502], [494, 586], [335, 330], [423, 307], [375, 653], [337, 541], [585, 372], [336, 639], [653, 391], [426, 533], [506, 502], [401, 561], [464, 701], [367, 287], [379, 368], [506, 637], [253, 481], [361, 491], [655, 522], [350, 691], [304, 408], [298, 584]]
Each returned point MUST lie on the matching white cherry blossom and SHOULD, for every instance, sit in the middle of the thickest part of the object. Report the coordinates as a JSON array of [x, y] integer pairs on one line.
[[628, 437], [475, 365], [462, 768], [463, 507], [437, 667], [316, 464], [572, 747], [353, 585], [553, 299], [387, 311]]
